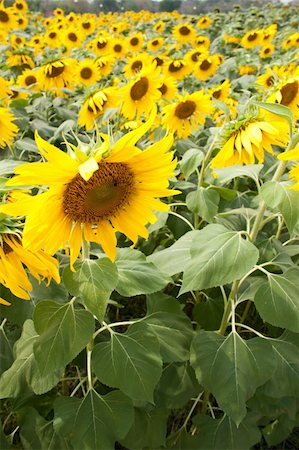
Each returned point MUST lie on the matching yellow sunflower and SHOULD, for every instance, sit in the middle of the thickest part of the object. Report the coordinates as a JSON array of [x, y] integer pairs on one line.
[[251, 39], [87, 72], [184, 32], [8, 129], [206, 67], [105, 64], [244, 141], [28, 79], [101, 45], [268, 34], [5, 90], [221, 91], [202, 41], [52, 38], [155, 44], [8, 17], [287, 93], [135, 42], [291, 41], [95, 105], [168, 88], [20, 6], [204, 22], [87, 26], [19, 58], [271, 76], [22, 22], [292, 155], [178, 68], [140, 95], [267, 51], [193, 56], [187, 114], [113, 189], [17, 40], [247, 70], [136, 63], [159, 26], [118, 47], [72, 38], [56, 74], [13, 258]]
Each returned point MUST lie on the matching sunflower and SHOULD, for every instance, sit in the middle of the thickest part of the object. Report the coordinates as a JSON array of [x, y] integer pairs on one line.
[[87, 26], [268, 34], [56, 74], [17, 40], [28, 79], [72, 38], [52, 38], [287, 94], [168, 88], [105, 64], [159, 26], [228, 39], [245, 140], [118, 47], [135, 42], [247, 70], [8, 18], [5, 90], [206, 67], [155, 44], [101, 45], [271, 76], [87, 72], [221, 91], [178, 68], [58, 12], [202, 41], [187, 114], [13, 257], [292, 155], [291, 41], [141, 94], [184, 32], [22, 22], [114, 189], [20, 6], [20, 59], [8, 129], [193, 56], [204, 22], [267, 51], [136, 63], [95, 105], [251, 39]]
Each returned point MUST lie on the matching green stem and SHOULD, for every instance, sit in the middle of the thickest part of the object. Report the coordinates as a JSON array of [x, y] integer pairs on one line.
[[229, 309], [89, 348], [85, 250], [206, 161]]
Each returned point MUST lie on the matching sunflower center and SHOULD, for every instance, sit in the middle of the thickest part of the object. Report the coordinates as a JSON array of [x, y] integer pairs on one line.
[[102, 196], [30, 80], [175, 68], [19, 6], [266, 51], [101, 44], [217, 94], [72, 37], [139, 89], [137, 66], [288, 93], [4, 17], [86, 25], [55, 72], [52, 35], [18, 40], [117, 48], [134, 41], [20, 21], [184, 31], [163, 89], [155, 42], [86, 73], [195, 56], [200, 41], [269, 81], [205, 65], [159, 61], [252, 37], [185, 109]]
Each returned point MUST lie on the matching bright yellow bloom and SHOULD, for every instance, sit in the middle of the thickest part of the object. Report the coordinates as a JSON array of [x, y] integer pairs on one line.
[[8, 129], [292, 155], [135, 42], [87, 72], [251, 39], [136, 63], [204, 22], [184, 32], [267, 51], [246, 140], [95, 106], [206, 67], [56, 74], [287, 93], [92, 197]]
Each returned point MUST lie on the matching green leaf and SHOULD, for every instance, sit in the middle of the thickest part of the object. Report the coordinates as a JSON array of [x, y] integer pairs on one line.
[[177, 385], [24, 370], [281, 198], [18, 311], [64, 331], [278, 430], [203, 202], [94, 422], [137, 275], [277, 300], [148, 430], [174, 333], [174, 259], [285, 379], [231, 368], [280, 110], [223, 433], [135, 355], [218, 256], [190, 161], [97, 279], [161, 302], [7, 338], [226, 174], [208, 313]]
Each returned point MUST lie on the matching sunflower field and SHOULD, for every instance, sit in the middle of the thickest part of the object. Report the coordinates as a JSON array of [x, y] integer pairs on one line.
[[149, 230]]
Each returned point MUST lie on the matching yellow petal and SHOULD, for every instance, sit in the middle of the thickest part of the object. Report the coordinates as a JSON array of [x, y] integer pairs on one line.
[[290, 154], [88, 168]]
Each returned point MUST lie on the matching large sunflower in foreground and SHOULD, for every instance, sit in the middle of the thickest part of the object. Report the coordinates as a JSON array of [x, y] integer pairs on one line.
[[8, 129], [245, 140], [187, 113], [91, 198], [13, 257]]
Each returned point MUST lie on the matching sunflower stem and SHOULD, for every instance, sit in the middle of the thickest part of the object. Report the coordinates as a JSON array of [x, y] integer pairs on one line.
[[85, 250], [89, 348], [205, 162]]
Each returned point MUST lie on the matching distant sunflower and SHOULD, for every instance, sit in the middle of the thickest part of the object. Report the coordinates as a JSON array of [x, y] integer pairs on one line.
[[267, 51], [268, 34], [159, 26], [135, 42], [140, 94], [52, 38], [8, 129], [204, 22], [178, 68], [168, 88], [136, 63], [20, 59], [22, 22], [56, 74], [291, 41], [187, 114], [102, 45], [72, 38], [118, 48], [251, 39], [58, 12], [115, 189], [221, 91], [247, 70], [287, 93], [95, 105], [5, 89], [105, 64], [206, 67], [193, 56], [155, 44], [245, 140], [184, 32], [20, 6], [13, 258], [202, 41], [87, 72], [87, 26], [28, 79], [17, 40], [8, 17], [292, 155]]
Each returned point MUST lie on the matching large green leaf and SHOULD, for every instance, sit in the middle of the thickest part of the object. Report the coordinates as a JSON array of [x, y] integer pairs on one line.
[[229, 173], [24, 371], [231, 368], [148, 430], [64, 331], [174, 259], [137, 275], [218, 256], [94, 422], [97, 279], [203, 202], [280, 197], [190, 161], [130, 361], [277, 300]]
